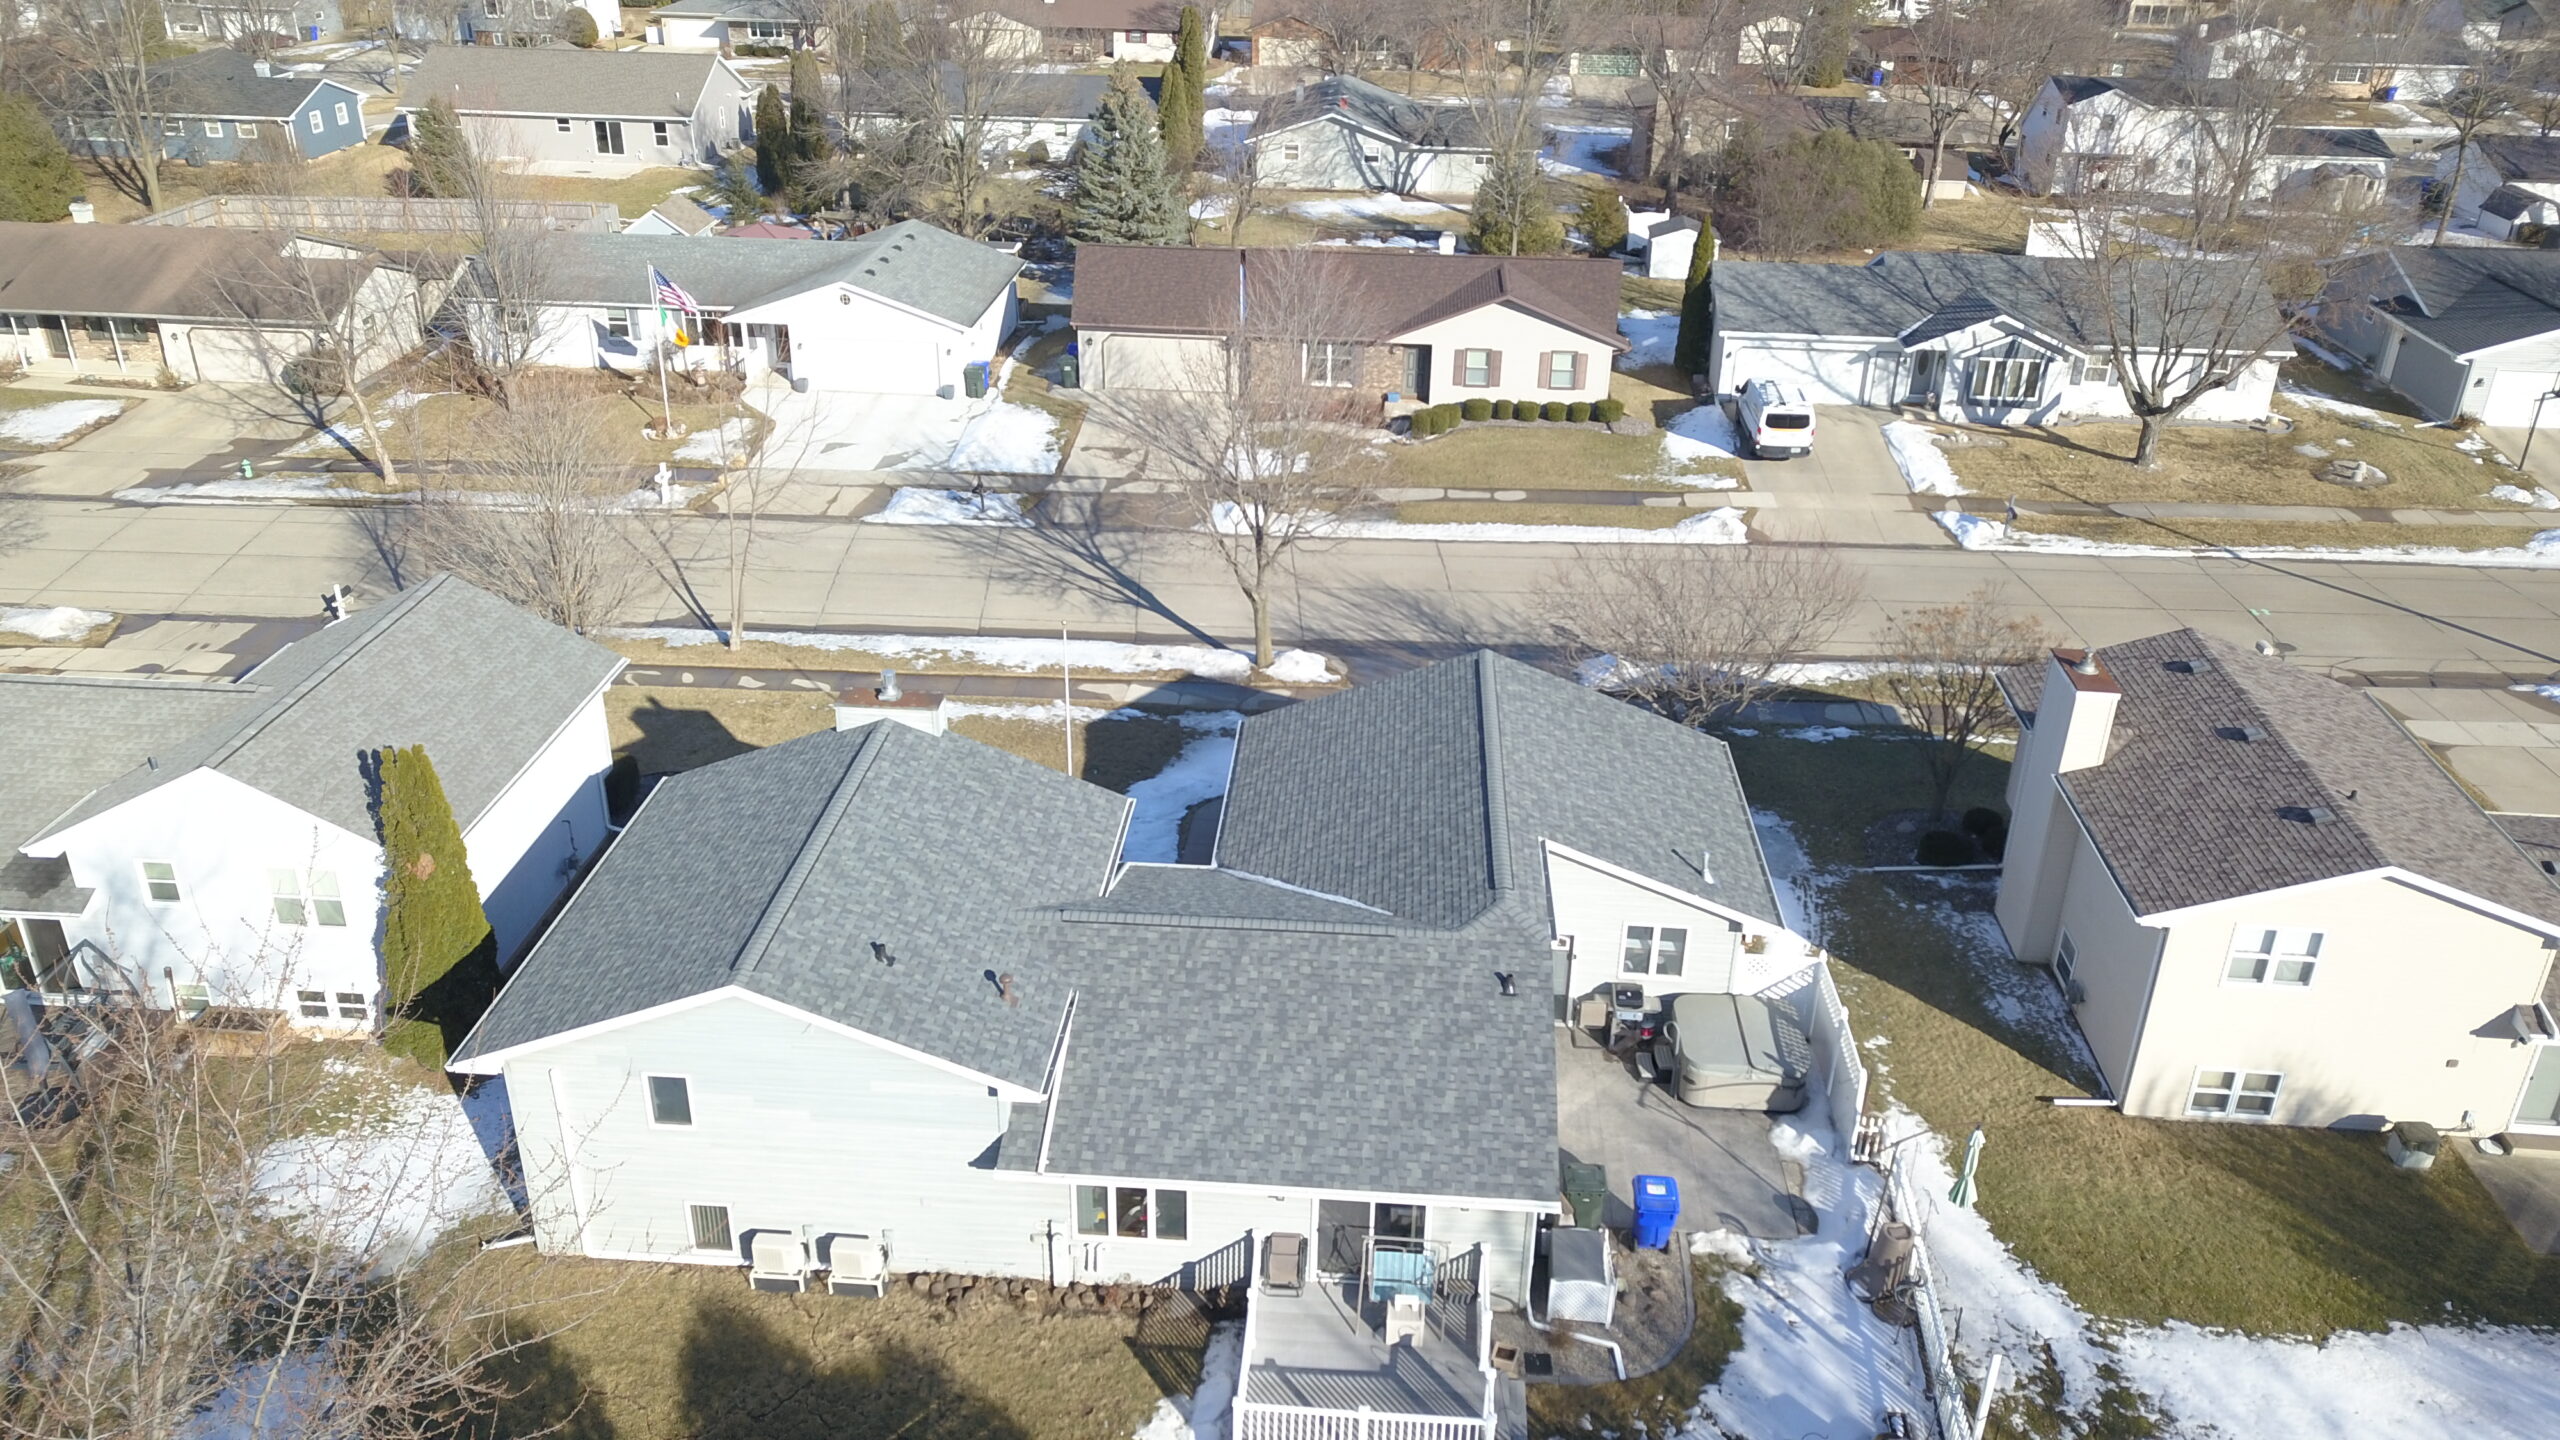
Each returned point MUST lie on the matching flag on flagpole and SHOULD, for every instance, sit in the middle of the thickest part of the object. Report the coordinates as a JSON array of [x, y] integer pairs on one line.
[[671, 293]]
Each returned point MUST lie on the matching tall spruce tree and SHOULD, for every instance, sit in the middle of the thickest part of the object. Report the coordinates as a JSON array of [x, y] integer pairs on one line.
[[773, 142], [37, 179], [1697, 304], [808, 131], [439, 959], [1513, 215], [1184, 107], [439, 153], [1123, 196]]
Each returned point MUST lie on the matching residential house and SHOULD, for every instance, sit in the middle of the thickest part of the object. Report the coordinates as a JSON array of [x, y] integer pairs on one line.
[[675, 215], [2460, 330], [589, 112], [1008, 111], [2426, 63], [1413, 327], [733, 26], [2507, 182], [2167, 14], [1770, 34], [2327, 167], [518, 24], [1991, 339], [883, 991], [900, 311], [1343, 133], [2266, 902], [1905, 125], [228, 306], [1081, 32], [213, 843], [2170, 137], [1280, 40], [2527, 23], [220, 105], [201, 21]]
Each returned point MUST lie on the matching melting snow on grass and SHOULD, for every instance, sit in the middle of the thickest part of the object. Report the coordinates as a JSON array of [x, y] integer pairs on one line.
[[913, 506], [1923, 465], [1202, 1415], [1027, 656], [52, 424], [1979, 532], [1714, 527], [1585, 149], [2537, 497], [260, 489], [1703, 433], [1652, 337], [52, 622], [414, 1164], [1375, 209], [726, 443], [2310, 399], [1162, 799]]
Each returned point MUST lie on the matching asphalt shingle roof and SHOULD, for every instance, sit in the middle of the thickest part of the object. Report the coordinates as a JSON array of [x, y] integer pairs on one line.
[[226, 82], [1888, 295], [2467, 298], [164, 272], [69, 735], [1013, 95], [506, 80], [2521, 157], [911, 263], [1375, 108], [2186, 811], [1179, 289]]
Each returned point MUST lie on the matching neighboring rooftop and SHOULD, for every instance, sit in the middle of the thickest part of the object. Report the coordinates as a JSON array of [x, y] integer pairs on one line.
[[1009, 95], [1374, 294], [911, 262], [167, 272], [2231, 773], [2521, 157], [687, 217], [2465, 298], [1895, 291], [226, 82], [2329, 141], [506, 80], [1449, 126], [1160, 16]]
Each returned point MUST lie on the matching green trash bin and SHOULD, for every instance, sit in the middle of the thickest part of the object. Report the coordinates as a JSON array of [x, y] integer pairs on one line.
[[973, 379], [1586, 1193], [1067, 371]]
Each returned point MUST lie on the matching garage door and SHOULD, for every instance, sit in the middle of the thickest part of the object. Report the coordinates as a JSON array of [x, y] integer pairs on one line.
[[236, 356], [883, 365], [2512, 394], [1828, 377], [1152, 362]]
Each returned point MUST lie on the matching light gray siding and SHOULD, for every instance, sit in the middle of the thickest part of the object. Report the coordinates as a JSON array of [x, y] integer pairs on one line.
[[1328, 154], [2430, 375]]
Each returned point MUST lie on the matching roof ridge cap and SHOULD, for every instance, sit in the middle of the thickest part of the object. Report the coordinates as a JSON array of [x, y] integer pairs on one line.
[[327, 669], [1497, 821], [839, 800]]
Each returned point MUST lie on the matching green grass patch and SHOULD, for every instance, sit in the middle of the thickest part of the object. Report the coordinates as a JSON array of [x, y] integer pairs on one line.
[[1531, 457], [1656, 1403]]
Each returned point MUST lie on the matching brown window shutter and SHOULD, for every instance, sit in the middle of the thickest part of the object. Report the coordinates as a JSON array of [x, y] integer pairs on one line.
[[1579, 359], [1546, 367], [1457, 366], [1493, 367]]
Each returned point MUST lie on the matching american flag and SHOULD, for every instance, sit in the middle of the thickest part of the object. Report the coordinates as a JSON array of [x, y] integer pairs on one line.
[[670, 293]]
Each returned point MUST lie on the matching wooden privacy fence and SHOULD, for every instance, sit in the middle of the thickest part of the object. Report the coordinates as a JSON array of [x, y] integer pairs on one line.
[[358, 214]]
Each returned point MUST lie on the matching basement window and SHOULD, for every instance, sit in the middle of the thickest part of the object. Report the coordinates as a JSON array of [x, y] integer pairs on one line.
[[2239, 1094]]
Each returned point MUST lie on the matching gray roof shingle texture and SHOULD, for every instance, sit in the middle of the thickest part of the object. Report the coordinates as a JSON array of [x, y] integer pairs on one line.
[[1889, 294], [163, 272], [2463, 298], [69, 735], [505, 80], [1372, 107], [911, 263], [226, 82], [1328, 1017], [2186, 812]]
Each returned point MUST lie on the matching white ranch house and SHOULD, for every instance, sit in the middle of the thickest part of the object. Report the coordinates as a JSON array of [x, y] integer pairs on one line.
[[588, 112]]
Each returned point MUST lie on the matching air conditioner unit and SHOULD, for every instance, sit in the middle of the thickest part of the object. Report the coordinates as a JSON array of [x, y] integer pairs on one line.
[[2075, 992]]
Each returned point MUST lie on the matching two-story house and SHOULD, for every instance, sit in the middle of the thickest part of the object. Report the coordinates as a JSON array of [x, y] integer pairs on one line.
[[201, 844], [2266, 902], [878, 998], [1078, 32], [588, 112]]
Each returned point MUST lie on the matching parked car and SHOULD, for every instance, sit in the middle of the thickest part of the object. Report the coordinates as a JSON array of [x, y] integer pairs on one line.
[[1737, 1052], [1777, 420]]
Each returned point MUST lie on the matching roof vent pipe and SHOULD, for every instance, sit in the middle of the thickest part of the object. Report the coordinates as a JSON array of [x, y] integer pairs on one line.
[[2087, 664], [889, 692]]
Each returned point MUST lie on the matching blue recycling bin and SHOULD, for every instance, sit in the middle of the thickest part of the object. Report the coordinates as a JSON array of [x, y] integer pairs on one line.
[[1657, 1210]]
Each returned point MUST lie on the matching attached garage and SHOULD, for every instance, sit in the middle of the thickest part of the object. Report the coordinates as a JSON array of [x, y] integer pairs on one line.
[[2511, 397], [1151, 362], [1830, 372]]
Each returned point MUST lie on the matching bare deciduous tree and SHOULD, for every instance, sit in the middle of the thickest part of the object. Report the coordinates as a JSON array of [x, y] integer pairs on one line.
[[515, 259], [953, 78], [1951, 46], [1944, 676], [1697, 631], [2038, 39], [108, 45]]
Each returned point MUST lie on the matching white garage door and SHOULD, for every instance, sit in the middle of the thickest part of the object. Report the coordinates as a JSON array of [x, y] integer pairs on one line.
[[237, 356], [1828, 377], [2512, 394], [882, 365], [1155, 362]]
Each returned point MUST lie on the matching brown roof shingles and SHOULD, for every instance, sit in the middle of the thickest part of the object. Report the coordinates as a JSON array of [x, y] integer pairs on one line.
[[1177, 290], [162, 272]]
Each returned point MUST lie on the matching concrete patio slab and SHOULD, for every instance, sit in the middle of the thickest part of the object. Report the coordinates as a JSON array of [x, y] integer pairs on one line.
[[1728, 1171], [2526, 1185]]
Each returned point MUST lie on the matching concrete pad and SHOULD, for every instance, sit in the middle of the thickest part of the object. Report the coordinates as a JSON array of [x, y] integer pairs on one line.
[[2526, 1186], [1727, 1170]]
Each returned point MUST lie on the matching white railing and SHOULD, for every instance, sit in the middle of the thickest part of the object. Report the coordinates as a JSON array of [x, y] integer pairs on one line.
[[1937, 1357], [1810, 993], [1260, 1420]]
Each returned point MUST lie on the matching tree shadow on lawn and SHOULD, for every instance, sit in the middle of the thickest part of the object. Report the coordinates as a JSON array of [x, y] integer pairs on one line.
[[745, 1378]]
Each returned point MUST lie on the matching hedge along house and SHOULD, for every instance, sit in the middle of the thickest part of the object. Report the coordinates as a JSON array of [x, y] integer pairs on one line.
[[224, 306], [588, 112], [213, 843], [882, 991], [220, 106], [1342, 133], [899, 311], [1398, 329], [1990, 339]]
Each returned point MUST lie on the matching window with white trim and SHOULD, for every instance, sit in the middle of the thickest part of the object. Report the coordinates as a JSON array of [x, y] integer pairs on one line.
[[2350, 74], [1655, 950], [561, 124], [2239, 1094], [160, 881], [354, 1006], [287, 887], [1475, 368], [711, 1227], [193, 1000], [212, 128], [617, 322], [608, 137], [173, 127], [342, 112], [316, 123], [2098, 370], [1288, 149], [2008, 382], [658, 135], [1332, 364], [302, 899], [670, 1100], [2066, 960], [246, 129], [314, 1003], [1133, 1212], [2273, 957]]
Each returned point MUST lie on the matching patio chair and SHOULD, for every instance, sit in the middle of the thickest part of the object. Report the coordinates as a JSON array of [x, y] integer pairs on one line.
[[856, 1265], [777, 1263], [1284, 1264]]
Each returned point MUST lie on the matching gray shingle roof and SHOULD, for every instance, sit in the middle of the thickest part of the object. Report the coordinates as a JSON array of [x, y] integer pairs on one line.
[[482, 685], [166, 272], [226, 82], [1374, 108], [2186, 812], [500, 79], [911, 263], [69, 735], [737, 10], [2464, 299], [2334, 141], [1887, 295], [1013, 95]]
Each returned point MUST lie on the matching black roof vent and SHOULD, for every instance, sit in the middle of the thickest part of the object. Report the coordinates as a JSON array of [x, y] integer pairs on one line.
[[2247, 734], [2192, 665], [2309, 814]]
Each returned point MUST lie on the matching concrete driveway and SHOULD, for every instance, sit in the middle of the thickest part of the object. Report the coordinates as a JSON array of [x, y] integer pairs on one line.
[[1847, 492], [1728, 1172], [2503, 743], [2543, 463]]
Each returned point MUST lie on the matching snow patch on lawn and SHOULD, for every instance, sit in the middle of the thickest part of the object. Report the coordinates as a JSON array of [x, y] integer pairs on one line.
[[1379, 208], [725, 442], [1652, 337], [2311, 399], [1199, 773], [264, 488], [52, 424], [1923, 465], [414, 1165], [1713, 527], [53, 622], [1703, 433], [914, 506], [2537, 497], [1227, 127], [1202, 1415], [1020, 654], [1583, 149], [1977, 532]]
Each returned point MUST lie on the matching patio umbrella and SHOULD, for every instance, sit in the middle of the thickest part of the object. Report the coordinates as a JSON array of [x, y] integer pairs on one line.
[[1961, 1194]]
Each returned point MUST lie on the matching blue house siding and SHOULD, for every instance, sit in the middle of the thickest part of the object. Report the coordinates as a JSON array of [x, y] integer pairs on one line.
[[332, 134], [215, 140]]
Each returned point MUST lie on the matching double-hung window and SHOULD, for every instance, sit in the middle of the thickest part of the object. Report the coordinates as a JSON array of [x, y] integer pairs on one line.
[[658, 133], [1479, 369], [1332, 364], [342, 112], [2241, 1094], [1564, 370], [212, 128], [2350, 74], [173, 127], [160, 881], [1289, 150], [617, 322], [2098, 370], [1656, 950], [561, 124], [1133, 1212], [314, 1003], [2008, 382], [352, 1005], [2273, 957], [306, 900]]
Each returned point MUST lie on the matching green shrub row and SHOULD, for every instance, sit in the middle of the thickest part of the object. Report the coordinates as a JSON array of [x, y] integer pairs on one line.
[[1441, 419]]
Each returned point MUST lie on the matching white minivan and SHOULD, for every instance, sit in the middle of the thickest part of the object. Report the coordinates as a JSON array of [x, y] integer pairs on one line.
[[1776, 420]]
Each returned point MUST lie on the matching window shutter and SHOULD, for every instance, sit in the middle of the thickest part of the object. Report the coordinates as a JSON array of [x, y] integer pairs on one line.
[[1457, 366], [1493, 367], [1578, 360], [1546, 367]]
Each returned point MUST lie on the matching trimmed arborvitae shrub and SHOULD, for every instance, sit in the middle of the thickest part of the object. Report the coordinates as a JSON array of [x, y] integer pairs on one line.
[[1579, 412], [1477, 409], [1184, 106], [1946, 847], [582, 30], [439, 960], [1609, 411], [1554, 410], [1502, 409], [1418, 424], [1697, 305], [773, 142]]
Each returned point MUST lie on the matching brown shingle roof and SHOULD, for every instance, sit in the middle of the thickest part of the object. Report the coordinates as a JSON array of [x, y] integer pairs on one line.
[[158, 272], [1166, 289], [2186, 811]]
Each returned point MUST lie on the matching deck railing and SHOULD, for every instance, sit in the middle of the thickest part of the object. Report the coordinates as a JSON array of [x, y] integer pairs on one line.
[[1267, 1420]]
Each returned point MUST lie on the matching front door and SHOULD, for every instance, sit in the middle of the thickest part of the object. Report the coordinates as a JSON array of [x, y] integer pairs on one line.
[[2541, 1103], [57, 337], [1342, 1236], [1415, 377], [1928, 373]]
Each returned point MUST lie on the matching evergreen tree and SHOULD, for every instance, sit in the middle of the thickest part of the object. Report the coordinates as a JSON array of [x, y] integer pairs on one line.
[[1830, 33], [1184, 107], [883, 35], [439, 960], [1122, 194], [1603, 220], [582, 30], [1697, 304], [439, 153], [37, 179], [773, 142], [808, 87], [1512, 213]]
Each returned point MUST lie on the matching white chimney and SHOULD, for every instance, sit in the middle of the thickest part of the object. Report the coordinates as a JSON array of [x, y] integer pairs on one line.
[[265, 70], [83, 213], [2077, 711], [1447, 244]]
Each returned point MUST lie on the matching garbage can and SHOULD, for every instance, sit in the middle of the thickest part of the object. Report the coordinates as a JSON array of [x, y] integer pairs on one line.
[[1067, 369], [973, 379], [1657, 1209], [1586, 1193]]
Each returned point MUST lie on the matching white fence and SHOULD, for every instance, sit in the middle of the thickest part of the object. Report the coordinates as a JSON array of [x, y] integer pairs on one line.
[[1815, 1000], [1937, 1357], [361, 214], [1264, 1420]]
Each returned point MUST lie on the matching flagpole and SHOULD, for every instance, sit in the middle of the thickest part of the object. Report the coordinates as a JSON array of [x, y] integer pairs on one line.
[[666, 410]]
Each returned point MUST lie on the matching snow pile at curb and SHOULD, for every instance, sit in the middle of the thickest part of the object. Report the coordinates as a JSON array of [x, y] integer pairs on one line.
[[1923, 465], [385, 1188], [261, 490], [1199, 772], [2537, 497], [2547, 692], [57, 622], [1027, 656], [1713, 527], [52, 424], [914, 506], [1976, 532], [1202, 1415], [1652, 336]]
